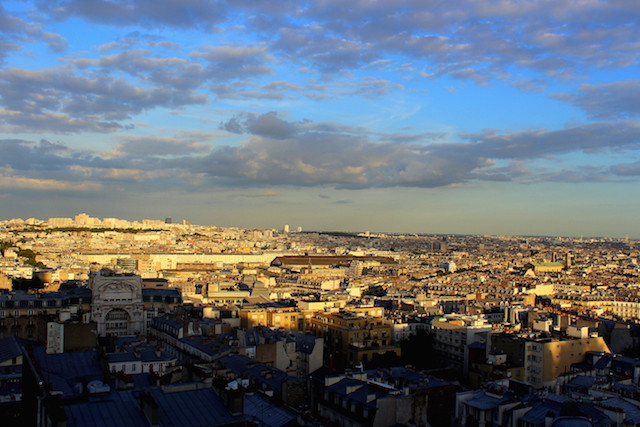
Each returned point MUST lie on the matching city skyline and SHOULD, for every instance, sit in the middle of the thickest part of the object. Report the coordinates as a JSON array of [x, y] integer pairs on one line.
[[481, 117]]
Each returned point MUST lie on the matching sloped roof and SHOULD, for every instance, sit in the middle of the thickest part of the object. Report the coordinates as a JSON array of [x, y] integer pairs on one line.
[[257, 407], [118, 409], [10, 348], [191, 408], [65, 371]]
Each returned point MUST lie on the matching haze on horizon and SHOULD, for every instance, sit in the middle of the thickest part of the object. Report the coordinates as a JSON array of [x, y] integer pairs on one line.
[[468, 117]]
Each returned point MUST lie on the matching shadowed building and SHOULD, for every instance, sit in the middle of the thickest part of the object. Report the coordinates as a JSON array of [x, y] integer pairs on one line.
[[353, 338]]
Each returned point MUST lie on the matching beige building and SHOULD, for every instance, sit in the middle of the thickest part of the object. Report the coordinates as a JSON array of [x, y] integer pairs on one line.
[[548, 358], [5, 282], [287, 318], [353, 337]]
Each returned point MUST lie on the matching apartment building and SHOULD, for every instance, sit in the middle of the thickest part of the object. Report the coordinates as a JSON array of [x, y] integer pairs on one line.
[[353, 338], [453, 334]]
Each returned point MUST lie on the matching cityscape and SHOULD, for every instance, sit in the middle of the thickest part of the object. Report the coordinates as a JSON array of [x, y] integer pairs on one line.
[[386, 213], [105, 321]]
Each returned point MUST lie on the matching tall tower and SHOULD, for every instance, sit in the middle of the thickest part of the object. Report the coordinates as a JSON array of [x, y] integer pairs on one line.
[[285, 229]]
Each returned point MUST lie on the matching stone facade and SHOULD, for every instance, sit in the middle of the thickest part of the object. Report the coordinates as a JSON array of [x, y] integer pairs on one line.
[[116, 305]]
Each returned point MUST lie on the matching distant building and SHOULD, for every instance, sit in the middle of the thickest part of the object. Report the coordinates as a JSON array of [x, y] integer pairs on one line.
[[127, 264], [325, 261], [60, 222], [545, 267], [85, 220], [449, 266]]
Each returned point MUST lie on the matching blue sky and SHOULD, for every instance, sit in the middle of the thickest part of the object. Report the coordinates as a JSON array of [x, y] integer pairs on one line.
[[473, 116]]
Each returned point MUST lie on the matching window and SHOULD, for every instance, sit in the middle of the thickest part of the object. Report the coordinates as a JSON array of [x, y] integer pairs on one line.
[[117, 322]]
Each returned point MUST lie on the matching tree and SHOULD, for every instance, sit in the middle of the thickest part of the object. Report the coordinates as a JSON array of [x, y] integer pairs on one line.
[[22, 284], [31, 257]]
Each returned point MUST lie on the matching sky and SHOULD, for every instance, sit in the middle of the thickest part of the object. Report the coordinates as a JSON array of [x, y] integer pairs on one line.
[[426, 116]]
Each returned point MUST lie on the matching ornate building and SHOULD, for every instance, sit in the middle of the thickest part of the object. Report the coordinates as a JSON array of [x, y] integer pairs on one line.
[[116, 303]]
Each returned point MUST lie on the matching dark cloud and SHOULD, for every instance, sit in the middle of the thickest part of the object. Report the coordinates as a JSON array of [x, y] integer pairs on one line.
[[169, 72], [626, 169], [267, 125], [309, 154], [252, 94], [210, 64], [146, 13], [327, 53], [475, 39], [59, 100], [233, 125], [282, 85], [10, 24], [594, 137], [306, 154], [15, 33], [531, 85], [157, 146], [424, 136], [54, 166], [233, 62], [619, 100], [42, 157], [376, 87], [514, 170], [468, 39], [272, 125], [135, 39], [581, 174], [54, 41]]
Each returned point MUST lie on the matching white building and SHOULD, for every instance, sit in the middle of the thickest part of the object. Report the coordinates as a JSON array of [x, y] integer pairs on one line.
[[141, 361], [454, 333]]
